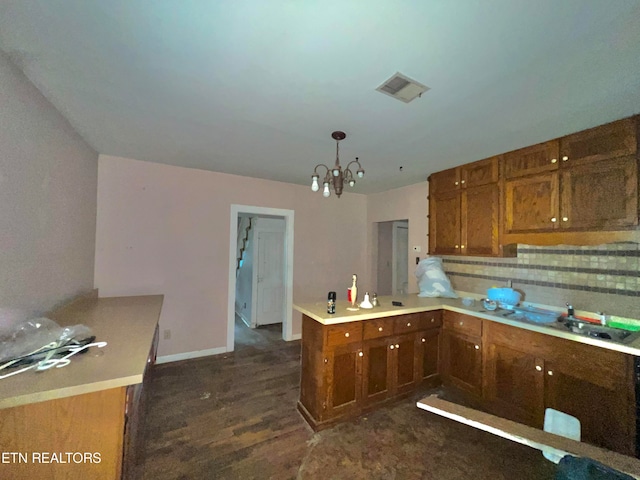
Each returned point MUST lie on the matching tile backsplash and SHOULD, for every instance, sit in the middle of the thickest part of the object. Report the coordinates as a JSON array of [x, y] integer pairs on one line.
[[593, 278]]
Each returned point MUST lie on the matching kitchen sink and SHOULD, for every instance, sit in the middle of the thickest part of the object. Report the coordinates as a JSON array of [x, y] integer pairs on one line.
[[601, 332], [552, 320]]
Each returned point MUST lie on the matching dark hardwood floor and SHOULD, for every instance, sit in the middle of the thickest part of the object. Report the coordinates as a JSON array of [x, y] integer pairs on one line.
[[233, 416]]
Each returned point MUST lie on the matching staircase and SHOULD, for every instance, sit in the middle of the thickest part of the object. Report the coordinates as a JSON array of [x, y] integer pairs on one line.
[[243, 238]]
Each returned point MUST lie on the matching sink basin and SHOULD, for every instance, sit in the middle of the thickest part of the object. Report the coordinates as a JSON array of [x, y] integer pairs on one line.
[[601, 332]]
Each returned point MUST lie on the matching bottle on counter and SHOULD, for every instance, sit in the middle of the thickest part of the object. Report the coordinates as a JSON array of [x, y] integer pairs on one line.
[[331, 303], [374, 300]]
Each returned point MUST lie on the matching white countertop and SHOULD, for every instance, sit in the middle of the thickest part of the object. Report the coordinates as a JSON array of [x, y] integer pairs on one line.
[[127, 324], [413, 304]]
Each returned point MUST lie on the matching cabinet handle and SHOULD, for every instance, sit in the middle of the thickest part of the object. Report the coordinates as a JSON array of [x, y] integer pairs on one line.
[[461, 246], [424, 340], [433, 320], [565, 158], [457, 246], [379, 329], [326, 360], [553, 219], [554, 160], [538, 368], [391, 347], [477, 347], [397, 346], [565, 219], [461, 323], [462, 182], [550, 372], [346, 334], [456, 183], [360, 354], [408, 324]]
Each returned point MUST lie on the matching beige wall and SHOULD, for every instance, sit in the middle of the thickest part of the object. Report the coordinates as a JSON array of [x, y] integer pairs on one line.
[[406, 203], [165, 229], [385, 254], [48, 181]]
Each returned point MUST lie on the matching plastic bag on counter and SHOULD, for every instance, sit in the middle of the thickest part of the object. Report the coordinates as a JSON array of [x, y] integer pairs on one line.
[[432, 280], [30, 336]]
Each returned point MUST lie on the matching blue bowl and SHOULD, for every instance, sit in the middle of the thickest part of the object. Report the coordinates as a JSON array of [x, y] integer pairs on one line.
[[504, 296]]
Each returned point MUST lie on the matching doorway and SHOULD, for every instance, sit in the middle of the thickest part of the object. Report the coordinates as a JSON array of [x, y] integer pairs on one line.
[[271, 294], [393, 261]]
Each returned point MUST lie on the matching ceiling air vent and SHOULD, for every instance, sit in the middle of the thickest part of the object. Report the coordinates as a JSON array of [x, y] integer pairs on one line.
[[402, 87]]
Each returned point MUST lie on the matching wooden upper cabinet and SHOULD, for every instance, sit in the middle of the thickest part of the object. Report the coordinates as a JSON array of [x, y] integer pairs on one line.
[[531, 203], [539, 158], [600, 196], [617, 139], [444, 223], [479, 173], [479, 220], [444, 181]]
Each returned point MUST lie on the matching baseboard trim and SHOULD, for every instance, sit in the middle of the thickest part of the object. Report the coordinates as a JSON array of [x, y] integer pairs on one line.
[[187, 355], [295, 336]]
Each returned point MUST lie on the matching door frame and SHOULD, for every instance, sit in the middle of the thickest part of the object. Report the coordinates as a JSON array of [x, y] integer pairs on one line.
[[394, 252], [287, 325]]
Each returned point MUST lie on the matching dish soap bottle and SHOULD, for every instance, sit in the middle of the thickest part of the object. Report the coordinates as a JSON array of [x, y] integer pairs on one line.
[[331, 303]]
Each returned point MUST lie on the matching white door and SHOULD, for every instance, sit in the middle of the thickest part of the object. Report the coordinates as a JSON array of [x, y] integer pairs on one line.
[[270, 278], [400, 274]]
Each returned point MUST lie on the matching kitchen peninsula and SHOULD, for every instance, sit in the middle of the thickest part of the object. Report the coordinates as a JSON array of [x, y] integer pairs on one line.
[[352, 362], [81, 421]]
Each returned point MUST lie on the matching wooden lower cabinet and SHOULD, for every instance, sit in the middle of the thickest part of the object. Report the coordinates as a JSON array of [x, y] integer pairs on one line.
[[379, 360], [526, 372], [461, 352]]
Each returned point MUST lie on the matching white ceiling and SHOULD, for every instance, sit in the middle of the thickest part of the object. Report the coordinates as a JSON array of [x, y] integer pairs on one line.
[[255, 87]]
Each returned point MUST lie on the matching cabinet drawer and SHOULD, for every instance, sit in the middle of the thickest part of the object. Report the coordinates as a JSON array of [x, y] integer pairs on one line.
[[343, 334], [377, 328], [464, 324], [407, 323], [431, 319]]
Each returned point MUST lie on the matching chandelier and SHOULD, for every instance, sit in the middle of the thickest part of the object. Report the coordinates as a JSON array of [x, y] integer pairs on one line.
[[336, 177]]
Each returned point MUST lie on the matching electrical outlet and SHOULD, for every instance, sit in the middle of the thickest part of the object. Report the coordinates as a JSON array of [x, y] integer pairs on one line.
[[167, 334]]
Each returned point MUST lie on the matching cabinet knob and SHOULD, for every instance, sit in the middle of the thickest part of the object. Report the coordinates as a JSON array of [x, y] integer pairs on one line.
[[565, 219], [461, 246], [477, 347], [456, 183], [360, 354], [433, 320], [397, 346], [379, 329], [326, 360], [346, 334], [553, 219], [538, 368], [424, 340], [391, 347], [457, 246], [565, 158], [554, 160], [408, 324], [462, 182], [549, 372], [461, 323]]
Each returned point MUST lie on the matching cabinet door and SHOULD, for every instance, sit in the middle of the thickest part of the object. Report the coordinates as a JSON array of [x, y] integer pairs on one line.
[[462, 361], [608, 141], [479, 173], [445, 181], [404, 363], [343, 380], [535, 159], [514, 384], [605, 412], [531, 203], [377, 370], [601, 195], [427, 354], [444, 223], [479, 219]]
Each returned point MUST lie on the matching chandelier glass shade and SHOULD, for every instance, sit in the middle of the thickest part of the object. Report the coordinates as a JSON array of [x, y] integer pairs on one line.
[[336, 177]]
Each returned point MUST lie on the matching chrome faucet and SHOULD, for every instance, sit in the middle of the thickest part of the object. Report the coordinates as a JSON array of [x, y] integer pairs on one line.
[[570, 311]]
